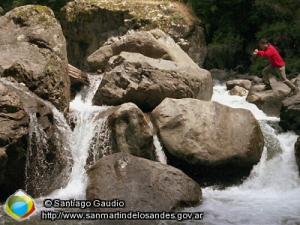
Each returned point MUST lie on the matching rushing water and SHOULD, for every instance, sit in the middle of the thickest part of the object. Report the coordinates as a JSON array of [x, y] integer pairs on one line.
[[271, 194], [82, 142]]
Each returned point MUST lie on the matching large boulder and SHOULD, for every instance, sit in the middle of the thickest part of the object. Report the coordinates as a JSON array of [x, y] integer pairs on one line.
[[138, 42], [208, 139], [297, 153], [290, 113], [87, 24], [146, 81], [14, 123], [131, 132], [143, 184], [31, 148], [33, 51]]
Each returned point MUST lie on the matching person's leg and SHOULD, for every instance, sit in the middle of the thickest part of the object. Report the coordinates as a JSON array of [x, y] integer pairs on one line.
[[267, 73], [287, 81]]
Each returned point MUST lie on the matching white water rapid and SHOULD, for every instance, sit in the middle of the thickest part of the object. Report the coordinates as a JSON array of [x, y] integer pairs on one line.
[[271, 194], [82, 140]]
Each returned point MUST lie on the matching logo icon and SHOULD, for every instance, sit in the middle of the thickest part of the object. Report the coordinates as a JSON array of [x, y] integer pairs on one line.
[[19, 206]]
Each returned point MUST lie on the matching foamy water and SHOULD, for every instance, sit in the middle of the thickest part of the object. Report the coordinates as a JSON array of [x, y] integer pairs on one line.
[[270, 195]]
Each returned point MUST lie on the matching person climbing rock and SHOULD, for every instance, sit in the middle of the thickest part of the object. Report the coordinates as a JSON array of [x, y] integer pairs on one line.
[[277, 64]]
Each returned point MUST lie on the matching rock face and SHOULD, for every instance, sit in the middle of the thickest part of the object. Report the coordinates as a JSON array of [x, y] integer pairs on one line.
[[131, 132], [144, 185], [208, 138], [14, 124], [28, 134], [297, 152], [290, 114], [33, 51], [145, 81], [87, 24], [269, 101]]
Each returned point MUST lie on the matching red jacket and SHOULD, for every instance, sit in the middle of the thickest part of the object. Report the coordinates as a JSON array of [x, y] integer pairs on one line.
[[273, 56]]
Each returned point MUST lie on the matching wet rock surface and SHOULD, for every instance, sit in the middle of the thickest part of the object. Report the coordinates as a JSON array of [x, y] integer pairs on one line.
[[32, 155]]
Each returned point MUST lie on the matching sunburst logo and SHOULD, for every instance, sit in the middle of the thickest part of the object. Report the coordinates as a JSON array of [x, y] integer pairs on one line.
[[19, 206]]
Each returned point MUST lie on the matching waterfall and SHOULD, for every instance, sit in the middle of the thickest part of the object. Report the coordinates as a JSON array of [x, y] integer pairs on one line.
[[160, 154], [90, 128], [271, 194], [37, 165]]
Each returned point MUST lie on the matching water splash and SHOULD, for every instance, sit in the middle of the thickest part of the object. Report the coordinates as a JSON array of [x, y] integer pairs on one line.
[[88, 124], [271, 194], [160, 154], [221, 95]]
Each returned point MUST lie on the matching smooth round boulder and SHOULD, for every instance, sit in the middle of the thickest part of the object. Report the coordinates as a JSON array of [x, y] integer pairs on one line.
[[207, 135], [144, 185]]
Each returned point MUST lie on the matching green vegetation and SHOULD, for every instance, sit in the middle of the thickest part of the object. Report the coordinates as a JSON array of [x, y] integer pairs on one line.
[[234, 26]]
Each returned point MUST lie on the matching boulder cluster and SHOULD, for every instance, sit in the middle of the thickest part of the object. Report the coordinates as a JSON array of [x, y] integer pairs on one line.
[[153, 82]]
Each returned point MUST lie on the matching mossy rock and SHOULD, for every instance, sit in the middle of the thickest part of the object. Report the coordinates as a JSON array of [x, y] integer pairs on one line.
[[88, 24]]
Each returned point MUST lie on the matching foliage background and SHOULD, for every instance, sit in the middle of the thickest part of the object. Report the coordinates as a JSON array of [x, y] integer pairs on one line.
[[233, 28]]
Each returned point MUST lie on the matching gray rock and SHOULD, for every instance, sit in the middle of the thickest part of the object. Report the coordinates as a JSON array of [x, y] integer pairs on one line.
[[87, 25], [136, 42], [28, 134], [145, 81], [143, 184], [33, 51], [208, 135], [240, 91], [241, 83], [131, 132], [269, 101]]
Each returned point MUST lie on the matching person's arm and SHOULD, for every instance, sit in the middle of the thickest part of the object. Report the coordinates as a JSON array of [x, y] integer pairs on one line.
[[265, 53], [262, 53]]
